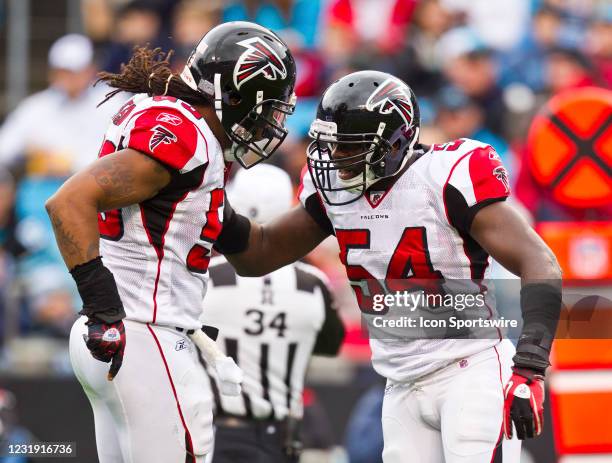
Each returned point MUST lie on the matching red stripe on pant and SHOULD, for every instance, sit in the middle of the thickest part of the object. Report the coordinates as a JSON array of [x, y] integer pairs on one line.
[[190, 457]]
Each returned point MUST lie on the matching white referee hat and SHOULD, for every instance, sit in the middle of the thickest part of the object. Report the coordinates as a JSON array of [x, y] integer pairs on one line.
[[73, 52], [261, 193]]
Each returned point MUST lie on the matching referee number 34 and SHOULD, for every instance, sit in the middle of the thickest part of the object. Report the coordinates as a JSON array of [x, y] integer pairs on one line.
[[261, 321]]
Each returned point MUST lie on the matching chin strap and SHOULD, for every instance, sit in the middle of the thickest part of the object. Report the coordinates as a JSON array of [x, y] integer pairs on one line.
[[218, 96]]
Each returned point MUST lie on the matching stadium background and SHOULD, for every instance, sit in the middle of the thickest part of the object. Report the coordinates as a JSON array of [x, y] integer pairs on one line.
[[481, 69]]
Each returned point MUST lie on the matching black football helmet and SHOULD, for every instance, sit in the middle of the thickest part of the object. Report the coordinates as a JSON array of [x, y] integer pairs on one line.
[[249, 73], [366, 128]]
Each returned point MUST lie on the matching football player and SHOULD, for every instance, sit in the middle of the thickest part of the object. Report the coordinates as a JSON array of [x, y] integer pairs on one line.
[[155, 197], [405, 213]]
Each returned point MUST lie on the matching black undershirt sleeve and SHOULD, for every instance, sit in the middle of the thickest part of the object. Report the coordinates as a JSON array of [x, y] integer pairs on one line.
[[460, 214]]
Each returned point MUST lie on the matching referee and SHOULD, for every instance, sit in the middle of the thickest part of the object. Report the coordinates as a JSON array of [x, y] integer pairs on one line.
[[270, 326]]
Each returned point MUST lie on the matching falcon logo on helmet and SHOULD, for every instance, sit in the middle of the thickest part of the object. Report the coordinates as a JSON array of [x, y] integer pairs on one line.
[[259, 58], [392, 95], [161, 135]]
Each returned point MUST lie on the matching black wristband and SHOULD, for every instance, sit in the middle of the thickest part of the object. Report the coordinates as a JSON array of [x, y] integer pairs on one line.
[[234, 236], [541, 308], [98, 290]]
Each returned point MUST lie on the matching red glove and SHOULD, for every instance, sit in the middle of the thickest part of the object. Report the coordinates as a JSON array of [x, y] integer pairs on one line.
[[106, 342], [524, 404]]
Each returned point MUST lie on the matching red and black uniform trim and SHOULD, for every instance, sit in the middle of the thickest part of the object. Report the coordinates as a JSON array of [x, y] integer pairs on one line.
[[157, 214], [461, 216]]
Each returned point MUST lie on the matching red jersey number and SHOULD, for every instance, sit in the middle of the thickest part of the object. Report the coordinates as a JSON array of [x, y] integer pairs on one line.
[[198, 258], [409, 269]]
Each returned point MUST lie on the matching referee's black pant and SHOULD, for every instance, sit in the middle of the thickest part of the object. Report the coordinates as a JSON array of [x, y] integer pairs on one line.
[[251, 441]]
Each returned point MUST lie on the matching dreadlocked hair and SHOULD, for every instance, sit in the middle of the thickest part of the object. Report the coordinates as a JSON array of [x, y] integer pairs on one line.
[[148, 71]]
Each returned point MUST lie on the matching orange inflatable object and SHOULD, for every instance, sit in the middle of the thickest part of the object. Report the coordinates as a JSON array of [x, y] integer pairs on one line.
[[570, 147]]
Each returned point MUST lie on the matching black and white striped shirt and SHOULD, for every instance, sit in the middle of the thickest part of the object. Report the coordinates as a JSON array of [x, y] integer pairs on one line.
[[270, 326]]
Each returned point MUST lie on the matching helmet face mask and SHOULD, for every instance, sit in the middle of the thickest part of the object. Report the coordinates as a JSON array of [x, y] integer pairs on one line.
[[346, 164], [249, 74], [259, 134], [366, 128]]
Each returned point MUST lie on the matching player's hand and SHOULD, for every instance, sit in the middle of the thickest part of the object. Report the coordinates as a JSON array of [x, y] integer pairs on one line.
[[524, 404], [106, 342]]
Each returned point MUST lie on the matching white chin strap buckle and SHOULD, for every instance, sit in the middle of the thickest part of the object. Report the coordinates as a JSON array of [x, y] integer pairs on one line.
[[218, 96]]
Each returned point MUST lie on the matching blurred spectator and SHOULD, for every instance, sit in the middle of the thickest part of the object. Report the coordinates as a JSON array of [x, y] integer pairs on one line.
[[364, 435], [525, 63], [599, 43], [49, 136], [386, 33], [576, 15], [137, 23], [567, 69], [9, 244], [470, 66], [461, 117], [97, 19], [192, 19], [296, 21], [10, 431], [419, 64], [10, 247], [500, 24], [58, 131]]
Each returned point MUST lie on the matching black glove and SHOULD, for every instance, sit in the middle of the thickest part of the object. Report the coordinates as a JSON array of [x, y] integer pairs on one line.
[[106, 342]]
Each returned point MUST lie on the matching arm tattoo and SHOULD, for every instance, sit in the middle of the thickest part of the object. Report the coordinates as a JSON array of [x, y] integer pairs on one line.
[[66, 241], [114, 178]]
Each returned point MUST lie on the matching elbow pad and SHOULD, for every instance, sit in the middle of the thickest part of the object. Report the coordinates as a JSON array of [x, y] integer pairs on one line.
[[541, 308]]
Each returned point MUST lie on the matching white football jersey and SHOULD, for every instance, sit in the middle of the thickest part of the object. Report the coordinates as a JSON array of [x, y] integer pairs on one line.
[[417, 228], [159, 250]]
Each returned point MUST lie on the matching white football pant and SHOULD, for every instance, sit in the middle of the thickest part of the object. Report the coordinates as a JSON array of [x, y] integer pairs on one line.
[[157, 406], [453, 415]]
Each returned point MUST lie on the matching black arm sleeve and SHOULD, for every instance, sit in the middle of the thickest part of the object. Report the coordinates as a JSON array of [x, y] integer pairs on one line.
[[98, 290], [330, 337], [314, 207], [541, 308]]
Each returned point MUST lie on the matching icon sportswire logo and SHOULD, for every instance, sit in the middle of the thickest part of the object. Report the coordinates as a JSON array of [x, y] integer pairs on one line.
[[258, 58], [392, 95]]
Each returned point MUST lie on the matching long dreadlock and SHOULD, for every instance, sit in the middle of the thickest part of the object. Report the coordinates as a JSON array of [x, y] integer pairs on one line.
[[148, 71]]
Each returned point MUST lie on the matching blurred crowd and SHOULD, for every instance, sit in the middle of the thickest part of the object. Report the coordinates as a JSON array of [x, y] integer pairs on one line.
[[481, 69]]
